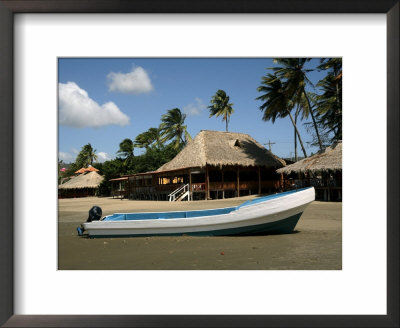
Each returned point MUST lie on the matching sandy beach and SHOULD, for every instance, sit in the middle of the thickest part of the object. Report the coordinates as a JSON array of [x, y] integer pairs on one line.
[[316, 243]]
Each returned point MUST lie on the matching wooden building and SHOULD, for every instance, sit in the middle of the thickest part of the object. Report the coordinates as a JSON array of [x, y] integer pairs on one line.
[[213, 165], [82, 185], [322, 170]]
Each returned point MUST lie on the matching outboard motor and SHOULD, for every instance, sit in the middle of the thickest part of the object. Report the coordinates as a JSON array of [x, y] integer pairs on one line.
[[95, 214]]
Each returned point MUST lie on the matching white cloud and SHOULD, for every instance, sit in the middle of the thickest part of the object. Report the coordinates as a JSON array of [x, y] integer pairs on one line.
[[66, 157], [69, 158], [102, 157], [195, 108], [135, 82], [75, 151], [77, 109]]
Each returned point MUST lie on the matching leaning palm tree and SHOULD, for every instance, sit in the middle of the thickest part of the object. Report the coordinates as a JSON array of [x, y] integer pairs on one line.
[[86, 156], [126, 150], [294, 76], [148, 138], [172, 128], [276, 104], [220, 106]]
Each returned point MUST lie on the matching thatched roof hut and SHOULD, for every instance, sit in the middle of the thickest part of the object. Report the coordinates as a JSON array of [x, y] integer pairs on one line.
[[85, 180], [329, 159], [216, 148]]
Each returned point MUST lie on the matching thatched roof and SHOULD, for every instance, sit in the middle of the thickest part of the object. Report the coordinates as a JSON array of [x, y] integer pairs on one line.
[[328, 160], [85, 180], [222, 148]]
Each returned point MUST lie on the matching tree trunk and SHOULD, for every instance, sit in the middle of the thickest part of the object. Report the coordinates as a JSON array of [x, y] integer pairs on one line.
[[338, 108], [313, 119], [295, 134], [226, 123], [298, 134]]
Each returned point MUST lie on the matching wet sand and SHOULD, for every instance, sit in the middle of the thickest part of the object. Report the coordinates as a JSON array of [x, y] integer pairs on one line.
[[316, 243]]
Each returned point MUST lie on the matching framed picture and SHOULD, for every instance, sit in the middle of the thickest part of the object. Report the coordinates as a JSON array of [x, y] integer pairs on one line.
[[12, 194]]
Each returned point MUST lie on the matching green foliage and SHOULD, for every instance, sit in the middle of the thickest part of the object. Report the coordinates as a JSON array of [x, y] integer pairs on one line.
[[151, 160], [154, 157], [276, 103], [72, 169], [172, 128], [86, 156], [220, 106], [294, 78], [126, 148], [110, 170], [284, 89], [329, 103], [293, 75], [148, 138]]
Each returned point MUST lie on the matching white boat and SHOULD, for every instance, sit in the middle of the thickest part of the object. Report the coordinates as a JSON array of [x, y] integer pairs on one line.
[[273, 214]]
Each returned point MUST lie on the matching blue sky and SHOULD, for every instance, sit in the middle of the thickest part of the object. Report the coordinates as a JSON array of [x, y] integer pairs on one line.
[[105, 100]]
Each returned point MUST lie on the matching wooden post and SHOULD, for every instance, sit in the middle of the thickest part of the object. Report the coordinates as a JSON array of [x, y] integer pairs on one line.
[[237, 181], [223, 187], [259, 181], [207, 184], [190, 185]]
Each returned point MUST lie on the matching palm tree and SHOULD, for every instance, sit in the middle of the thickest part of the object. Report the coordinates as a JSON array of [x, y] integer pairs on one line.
[[335, 64], [148, 138], [294, 76], [172, 128], [276, 104], [126, 148], [330, 107], [86, 156], [220, 106], [329, 103]]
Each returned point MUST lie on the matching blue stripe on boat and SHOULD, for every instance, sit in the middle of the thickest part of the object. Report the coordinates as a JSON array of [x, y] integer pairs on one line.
[[167, 215]]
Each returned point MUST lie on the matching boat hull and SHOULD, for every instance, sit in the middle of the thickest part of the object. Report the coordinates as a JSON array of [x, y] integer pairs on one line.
[[272, 216], [283, 226]]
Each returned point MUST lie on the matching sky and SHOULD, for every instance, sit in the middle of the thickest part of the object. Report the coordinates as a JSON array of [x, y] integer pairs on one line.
[[105, 100]]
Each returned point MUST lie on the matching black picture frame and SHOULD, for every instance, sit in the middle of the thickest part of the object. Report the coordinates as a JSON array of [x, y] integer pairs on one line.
[[7, 192]]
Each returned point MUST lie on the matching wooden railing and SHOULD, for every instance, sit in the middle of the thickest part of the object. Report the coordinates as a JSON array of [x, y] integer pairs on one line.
[[243, 185], [198, 187], [302, 183], [119, 193], [222, 185]]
